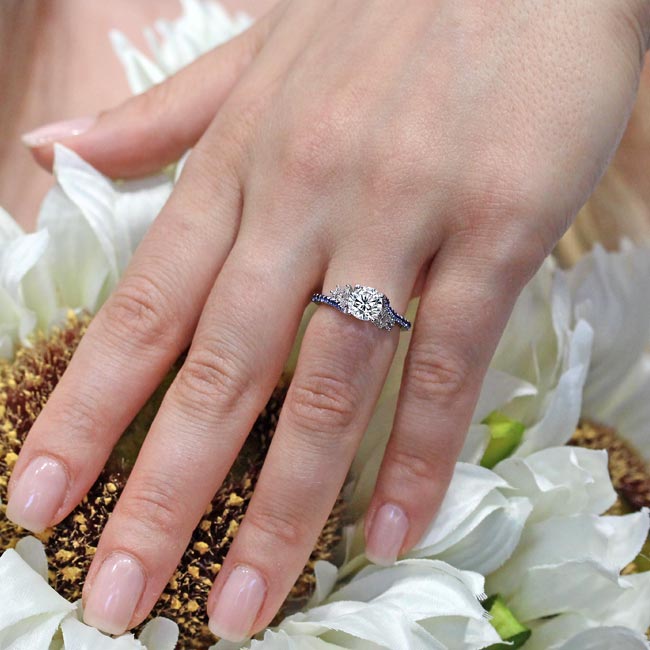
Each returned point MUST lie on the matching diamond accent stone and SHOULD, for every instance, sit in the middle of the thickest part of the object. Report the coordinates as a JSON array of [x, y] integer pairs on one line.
[[342, 295], [365, 303]]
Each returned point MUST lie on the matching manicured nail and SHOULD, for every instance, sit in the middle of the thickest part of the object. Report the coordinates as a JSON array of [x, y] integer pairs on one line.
[[38, 494], [388, 531], [114, 594], [57, 131], [238, 604]]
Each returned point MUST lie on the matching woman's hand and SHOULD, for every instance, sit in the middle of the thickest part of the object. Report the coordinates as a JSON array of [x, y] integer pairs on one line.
[[425, 147]]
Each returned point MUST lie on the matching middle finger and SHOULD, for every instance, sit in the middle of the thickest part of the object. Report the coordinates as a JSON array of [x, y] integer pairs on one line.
[[339, 375]]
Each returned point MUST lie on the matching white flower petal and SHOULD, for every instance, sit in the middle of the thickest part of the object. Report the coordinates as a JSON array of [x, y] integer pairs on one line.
[[520, 356], [565, 632], [95, 226], [136, 204], [141, 72], [118, 213], [326, 575], [33, 552], [561, 481], [201, 27], [33, 633], [626, 604], [628, 407], [487, 546], [78, 269], [18, 257], [78, 636], [469, 486], [9, 228], [476, 442], [460, 633], [92, 193], [383, 606], [24, 593], [282, 641], [562, 405], [159, 634], [500, 388], [569, 564], [611, 291], [607, 638]]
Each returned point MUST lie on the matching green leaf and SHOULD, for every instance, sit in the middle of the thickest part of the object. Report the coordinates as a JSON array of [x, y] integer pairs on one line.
[[505, 437], [514, 633]]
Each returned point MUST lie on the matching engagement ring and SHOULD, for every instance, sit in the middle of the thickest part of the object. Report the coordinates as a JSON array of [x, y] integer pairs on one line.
[[364, 303]]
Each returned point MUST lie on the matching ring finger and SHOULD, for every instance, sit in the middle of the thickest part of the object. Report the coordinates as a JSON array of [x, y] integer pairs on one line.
[[340, 372]]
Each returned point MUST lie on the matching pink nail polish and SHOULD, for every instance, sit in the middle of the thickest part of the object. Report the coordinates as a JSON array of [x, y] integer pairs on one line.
[[114, 595], [38, 494], [387, 534], [57, 131], [238, 604]]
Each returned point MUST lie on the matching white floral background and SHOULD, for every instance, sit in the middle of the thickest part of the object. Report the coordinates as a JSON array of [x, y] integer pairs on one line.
[[531, 529]]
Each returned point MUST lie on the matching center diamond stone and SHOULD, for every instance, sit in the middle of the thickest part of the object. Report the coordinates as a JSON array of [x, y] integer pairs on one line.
[[365, 303]]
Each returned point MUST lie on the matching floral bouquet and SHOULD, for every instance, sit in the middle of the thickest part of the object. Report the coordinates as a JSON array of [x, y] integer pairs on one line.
[[541, 542]]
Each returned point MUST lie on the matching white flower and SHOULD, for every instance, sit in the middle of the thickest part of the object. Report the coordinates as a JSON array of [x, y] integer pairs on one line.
[[19, 253], [612, 292], [543, 346], [569, 558], [422, 604], [202, 26], [573, 632], [88, 228], [34, 616], [534, 527]]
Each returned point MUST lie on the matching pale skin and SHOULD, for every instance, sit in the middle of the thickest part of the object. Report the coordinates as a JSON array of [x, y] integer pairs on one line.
[[425, 148]]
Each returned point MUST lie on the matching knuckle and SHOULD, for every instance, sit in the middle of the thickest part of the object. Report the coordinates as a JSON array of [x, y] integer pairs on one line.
[[321, 403], [434, 373], [153, 505], [399, 165], [318, 144], [139, 312], [514, 222], [213, 375], [275, 527], [409, 466], [81, 415], [497, 196]]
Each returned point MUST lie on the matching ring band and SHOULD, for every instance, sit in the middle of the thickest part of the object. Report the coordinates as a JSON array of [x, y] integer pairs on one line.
[[364, 303]]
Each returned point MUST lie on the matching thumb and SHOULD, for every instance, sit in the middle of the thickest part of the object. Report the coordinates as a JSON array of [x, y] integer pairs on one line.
[[153, 129]]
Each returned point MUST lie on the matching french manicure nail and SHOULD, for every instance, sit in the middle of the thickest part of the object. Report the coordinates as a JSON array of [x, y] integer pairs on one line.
[[238, 604], [114, 594], [57, 131], [38, 494], [388, 531]]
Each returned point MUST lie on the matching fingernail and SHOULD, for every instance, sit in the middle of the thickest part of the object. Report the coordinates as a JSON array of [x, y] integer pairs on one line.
[[114, 594], [38, 494], [388, 531], [238, 604], [57, 131]]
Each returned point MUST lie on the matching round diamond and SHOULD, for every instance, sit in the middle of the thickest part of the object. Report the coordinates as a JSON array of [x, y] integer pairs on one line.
[[365, 303]]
